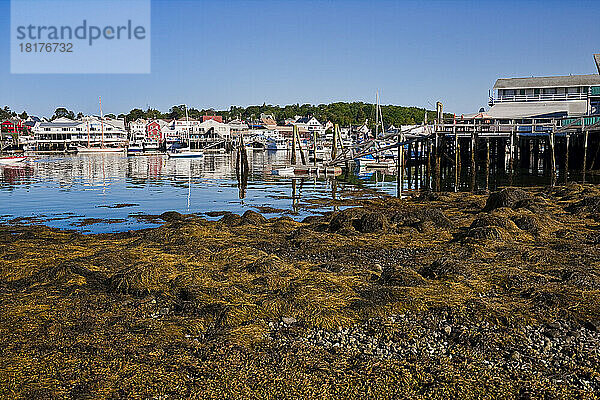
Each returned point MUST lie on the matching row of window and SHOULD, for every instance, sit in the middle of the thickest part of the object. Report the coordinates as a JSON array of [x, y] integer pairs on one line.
[[542, 91], [77, 129]]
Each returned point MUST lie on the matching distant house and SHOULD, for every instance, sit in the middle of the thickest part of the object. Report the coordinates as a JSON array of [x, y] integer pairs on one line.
[[268, 120], [137, 129], [217, 118], [238, 125], [209, 132], [364, 131], [309, 125], [12, 125]]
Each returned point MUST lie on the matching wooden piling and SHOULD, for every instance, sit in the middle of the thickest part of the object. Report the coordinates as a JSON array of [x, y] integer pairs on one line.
[[293, 156], [456, 155], [336, 132], [487, 163], [552, 155], [399, 169], [566, 158], [428, 168], [473, 164], [511, 163], [585, 147]]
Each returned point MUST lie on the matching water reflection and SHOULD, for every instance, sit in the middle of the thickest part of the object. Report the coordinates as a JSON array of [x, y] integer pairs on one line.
[[118, 189]]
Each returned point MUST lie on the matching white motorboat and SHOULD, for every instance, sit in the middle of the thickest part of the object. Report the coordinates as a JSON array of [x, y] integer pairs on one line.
[[11, 160], [185, 153], [283, 171]]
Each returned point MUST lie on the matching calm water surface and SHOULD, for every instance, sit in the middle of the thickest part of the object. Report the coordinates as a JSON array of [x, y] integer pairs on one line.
[[75, 192]]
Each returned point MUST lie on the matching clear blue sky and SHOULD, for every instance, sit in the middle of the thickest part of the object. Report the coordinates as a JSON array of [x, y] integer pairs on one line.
[[222, 53]]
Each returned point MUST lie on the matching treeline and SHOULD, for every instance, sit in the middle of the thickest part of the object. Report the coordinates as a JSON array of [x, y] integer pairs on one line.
[[340, 113], [345, 114]]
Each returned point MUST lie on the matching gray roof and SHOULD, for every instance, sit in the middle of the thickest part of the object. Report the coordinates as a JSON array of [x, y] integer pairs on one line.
[[547, 81], [59, 124], [517, 110]]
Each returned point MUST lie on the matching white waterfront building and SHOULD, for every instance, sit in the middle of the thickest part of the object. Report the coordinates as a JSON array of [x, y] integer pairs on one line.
[[63, 134]]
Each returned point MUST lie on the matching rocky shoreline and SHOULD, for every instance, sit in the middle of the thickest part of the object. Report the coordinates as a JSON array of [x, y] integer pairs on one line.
[[441, 295]]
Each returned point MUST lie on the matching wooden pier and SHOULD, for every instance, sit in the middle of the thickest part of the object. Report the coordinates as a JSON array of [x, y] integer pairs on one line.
[[482, 146]]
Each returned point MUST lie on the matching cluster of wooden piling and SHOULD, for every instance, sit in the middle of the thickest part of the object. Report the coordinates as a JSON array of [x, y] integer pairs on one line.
[[467, 150]]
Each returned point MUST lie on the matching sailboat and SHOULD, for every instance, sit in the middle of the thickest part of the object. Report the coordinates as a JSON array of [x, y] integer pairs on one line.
[[185, 152], [102, 148]]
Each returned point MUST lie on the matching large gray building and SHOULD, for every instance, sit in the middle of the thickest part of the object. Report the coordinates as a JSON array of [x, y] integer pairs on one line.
[[546, 97]]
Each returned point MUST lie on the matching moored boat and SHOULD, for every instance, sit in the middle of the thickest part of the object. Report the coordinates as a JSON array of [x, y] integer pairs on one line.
[[11, 160], [185, 153], [86, 150]]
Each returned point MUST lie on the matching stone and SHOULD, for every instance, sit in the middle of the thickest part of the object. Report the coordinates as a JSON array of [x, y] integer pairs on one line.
[[289, 320]]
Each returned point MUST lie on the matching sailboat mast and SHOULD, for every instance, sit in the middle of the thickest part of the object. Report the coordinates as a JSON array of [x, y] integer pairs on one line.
[[381, 120], [187, 123], [376, 113], [101, 121]]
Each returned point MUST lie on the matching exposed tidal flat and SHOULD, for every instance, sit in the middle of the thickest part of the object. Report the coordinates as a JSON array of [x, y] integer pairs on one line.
[[440, 295]]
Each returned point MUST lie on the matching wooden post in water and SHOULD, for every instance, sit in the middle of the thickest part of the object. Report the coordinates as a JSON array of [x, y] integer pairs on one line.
[[293, 157], [428, 168], [399, 169], [511, 164], [336, 132], [585, 146], [438, 144], [566, 158], [456, 154], [473, 150], [408, 166], [552, 155], [487, 163], [302, 158]]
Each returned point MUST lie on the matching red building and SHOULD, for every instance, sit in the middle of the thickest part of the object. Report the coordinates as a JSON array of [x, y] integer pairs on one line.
[[153, 131], [12, 126], [217, 118]]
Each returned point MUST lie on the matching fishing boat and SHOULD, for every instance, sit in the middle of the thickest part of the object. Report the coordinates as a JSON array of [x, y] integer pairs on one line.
[[150, 146], [134, 148], [11, 160]]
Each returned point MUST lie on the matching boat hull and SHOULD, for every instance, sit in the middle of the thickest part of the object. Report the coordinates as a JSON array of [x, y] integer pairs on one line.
[[12, 160], [99, 150], [186, 155]]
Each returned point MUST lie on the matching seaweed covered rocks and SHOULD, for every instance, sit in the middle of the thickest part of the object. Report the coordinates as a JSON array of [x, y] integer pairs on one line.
[[450, 295]]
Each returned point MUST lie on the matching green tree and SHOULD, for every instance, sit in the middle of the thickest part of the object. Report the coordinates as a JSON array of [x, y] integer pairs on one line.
[[62, 112]]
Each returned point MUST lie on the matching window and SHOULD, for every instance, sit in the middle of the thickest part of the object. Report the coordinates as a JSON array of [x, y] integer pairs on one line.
[[522, 92], [536, 92], [550, 91]]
